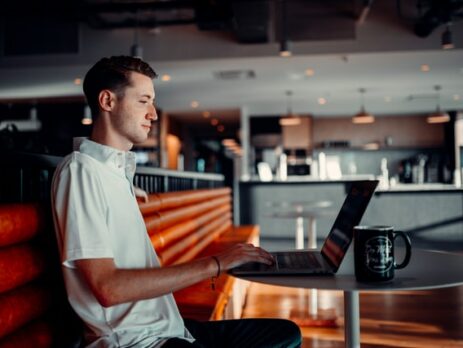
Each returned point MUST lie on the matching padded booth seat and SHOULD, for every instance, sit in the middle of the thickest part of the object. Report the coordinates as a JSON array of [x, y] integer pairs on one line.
[[182, 226]]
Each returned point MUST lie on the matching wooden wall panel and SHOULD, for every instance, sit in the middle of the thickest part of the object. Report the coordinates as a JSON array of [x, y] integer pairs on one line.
[[405, 131]]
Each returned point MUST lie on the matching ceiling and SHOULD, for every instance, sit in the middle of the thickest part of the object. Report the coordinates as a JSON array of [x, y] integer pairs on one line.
[[224, 54]]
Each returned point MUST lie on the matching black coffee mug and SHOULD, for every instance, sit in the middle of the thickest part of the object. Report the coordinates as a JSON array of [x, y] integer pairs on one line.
[[374, 252]]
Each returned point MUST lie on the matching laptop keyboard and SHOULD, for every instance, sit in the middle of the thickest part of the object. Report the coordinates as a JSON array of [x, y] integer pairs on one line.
[[291, 262], [297, 261]]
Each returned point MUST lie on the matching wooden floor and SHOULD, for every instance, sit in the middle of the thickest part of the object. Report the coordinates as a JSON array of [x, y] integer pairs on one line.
[[418, 319]]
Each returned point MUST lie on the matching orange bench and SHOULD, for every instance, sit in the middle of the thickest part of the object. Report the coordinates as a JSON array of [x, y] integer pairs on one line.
[[27, 288], [190, 224], [182, 226]]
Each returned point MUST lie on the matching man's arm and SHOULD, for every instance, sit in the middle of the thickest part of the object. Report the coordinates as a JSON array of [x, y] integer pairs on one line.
[[112, 286]]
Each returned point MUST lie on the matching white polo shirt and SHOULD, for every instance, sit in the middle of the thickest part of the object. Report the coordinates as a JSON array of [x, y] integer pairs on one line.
[[96, 216]]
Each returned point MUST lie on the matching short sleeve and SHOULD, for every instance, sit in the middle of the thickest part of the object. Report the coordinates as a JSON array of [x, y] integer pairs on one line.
[[80, 212]]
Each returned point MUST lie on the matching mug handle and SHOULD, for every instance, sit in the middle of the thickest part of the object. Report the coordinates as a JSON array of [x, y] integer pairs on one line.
[[408, 249]]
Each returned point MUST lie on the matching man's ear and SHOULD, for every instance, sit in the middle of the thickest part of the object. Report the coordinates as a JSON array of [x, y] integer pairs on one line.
[[106, 99]]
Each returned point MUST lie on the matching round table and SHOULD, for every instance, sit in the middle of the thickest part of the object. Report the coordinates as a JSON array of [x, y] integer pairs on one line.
[[426, 270]]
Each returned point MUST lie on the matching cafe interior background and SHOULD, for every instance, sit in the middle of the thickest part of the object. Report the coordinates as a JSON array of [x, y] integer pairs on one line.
[[260, 91], [290, 100]]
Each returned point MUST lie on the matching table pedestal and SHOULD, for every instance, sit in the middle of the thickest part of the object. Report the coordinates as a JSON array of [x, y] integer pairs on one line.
[[351, 319], [315, 317]]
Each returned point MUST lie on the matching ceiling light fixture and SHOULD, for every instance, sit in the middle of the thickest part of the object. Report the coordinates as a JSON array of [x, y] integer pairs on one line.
[[136, 50], [194, 104], [363, 117], [165, 78], [425, 68], [322, 101], [446, 39], [290, 119], [285, 45], [438, 116], [309, 72], [87, 118]]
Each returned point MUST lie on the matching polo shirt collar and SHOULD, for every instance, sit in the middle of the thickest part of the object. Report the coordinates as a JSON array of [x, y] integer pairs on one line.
[[121, 161]]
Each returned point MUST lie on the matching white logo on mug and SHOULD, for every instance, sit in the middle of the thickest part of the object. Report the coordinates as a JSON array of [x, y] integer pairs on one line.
[[378, 254]]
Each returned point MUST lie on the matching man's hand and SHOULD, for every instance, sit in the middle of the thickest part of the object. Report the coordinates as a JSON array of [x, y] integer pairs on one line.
[[243, 253]]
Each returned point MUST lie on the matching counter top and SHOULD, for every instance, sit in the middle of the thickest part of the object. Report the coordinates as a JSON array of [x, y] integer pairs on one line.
[[426, 187], [397, 188], [310, 179]]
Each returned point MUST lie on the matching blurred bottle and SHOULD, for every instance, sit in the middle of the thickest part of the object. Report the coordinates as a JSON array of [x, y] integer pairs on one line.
[[384, 179], [322, 165], [283, 167]]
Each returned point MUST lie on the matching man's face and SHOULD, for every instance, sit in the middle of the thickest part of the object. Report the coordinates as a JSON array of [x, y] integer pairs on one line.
[[131, 119]]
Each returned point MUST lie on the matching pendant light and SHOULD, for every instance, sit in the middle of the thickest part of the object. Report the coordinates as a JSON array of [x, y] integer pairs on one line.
[[363, 116], [438, 116], [87, 118], [446, 39], [285, 49], [136, 50], [290, 119]]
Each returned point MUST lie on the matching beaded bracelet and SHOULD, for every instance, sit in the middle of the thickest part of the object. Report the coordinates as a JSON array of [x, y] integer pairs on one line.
[[218, 272]]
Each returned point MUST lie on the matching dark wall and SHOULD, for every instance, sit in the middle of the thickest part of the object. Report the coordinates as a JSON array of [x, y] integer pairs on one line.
[[60, 124]]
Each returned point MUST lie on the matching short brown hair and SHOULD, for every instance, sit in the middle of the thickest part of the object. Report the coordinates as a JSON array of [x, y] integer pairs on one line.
[[112, 73]]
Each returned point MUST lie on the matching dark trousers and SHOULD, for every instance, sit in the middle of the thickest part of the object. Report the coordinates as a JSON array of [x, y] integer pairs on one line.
[[255, 333]]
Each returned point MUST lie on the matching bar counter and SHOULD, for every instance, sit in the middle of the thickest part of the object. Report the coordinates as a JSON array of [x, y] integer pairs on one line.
[[430, 212]]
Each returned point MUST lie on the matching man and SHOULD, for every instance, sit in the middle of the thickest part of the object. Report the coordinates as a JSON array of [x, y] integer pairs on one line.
[[112, 275]]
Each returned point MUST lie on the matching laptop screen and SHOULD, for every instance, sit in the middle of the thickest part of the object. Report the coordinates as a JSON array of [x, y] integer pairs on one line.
[[352, 210]]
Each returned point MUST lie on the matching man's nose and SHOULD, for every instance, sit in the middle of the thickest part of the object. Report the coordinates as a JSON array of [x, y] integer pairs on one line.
[[152, 114]]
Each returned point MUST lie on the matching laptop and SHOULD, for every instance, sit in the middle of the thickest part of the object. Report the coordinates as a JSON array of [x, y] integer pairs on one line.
[[329, 258]]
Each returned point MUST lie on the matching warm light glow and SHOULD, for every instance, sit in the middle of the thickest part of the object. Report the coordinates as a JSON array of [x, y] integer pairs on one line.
[[364, 118], [371, 146], [206, 114], [321, 101], [165, 78], [77, 81], [425, 68], [220, 128], [229, 142], [214, 122], [290, 121], [285, 54], [194, 104], [309, 72], [234, 147], [438, 118], [87, 119]]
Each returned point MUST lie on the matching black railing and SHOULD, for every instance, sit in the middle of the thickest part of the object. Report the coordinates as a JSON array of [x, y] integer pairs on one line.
[[26, 177], [164, 180]]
